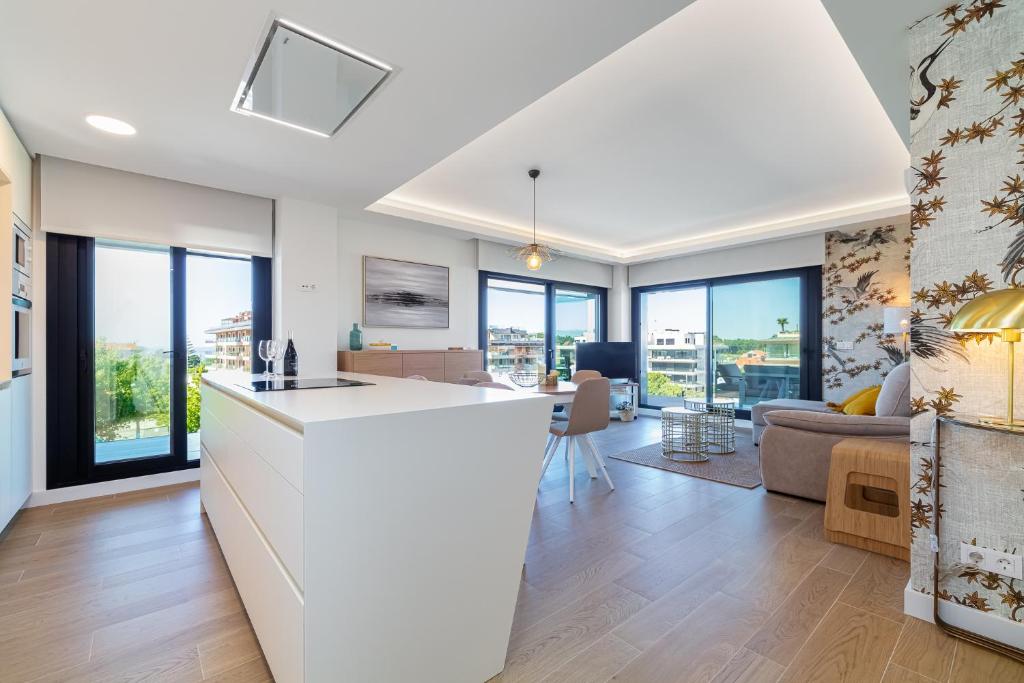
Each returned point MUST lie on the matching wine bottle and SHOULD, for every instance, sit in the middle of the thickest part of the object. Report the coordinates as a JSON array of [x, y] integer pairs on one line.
[[291, 359]]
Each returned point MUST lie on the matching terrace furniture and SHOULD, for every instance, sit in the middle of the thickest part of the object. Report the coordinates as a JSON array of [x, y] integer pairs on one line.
[[730, 378], [868, 489], [796, 445]]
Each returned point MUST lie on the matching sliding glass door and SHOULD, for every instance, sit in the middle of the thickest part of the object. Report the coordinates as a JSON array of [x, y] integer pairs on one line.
[[526, 323], [130, 330], [132, 357], [742, 339], [672, 345]]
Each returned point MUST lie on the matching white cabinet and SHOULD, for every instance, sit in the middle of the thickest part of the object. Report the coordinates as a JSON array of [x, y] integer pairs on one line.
[[15, 447]]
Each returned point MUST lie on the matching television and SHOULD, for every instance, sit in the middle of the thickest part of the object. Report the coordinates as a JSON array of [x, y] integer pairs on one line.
[[614, 360]]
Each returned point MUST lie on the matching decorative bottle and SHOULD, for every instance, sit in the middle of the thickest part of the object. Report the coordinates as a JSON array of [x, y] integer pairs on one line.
[[355, 338], [291, 359]]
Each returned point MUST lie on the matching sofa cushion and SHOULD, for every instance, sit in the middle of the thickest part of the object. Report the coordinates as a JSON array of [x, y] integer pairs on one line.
[[864, 404], [758, 411], [894, 398], [845, 425]]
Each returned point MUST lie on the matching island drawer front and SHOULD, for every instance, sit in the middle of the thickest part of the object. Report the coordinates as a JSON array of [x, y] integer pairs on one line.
[[274, 504], [429, 365], [273, 604], [279, 445], [458, 363]]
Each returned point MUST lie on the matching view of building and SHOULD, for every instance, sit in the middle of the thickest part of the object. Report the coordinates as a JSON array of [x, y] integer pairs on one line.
[[232, 343], [513, 349], [678, 355]]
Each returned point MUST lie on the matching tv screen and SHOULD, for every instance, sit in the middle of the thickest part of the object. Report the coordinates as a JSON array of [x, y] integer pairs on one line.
[[614, 360]]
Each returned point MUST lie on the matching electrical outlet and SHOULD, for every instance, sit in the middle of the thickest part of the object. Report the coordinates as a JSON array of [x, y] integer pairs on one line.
[[307, 286], [989, 560]]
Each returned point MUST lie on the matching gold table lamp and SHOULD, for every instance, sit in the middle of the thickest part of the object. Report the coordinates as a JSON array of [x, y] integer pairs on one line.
[[1000, 312]]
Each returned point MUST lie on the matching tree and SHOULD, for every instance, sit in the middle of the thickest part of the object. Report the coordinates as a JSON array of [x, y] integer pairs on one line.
[[782, 324], [659, 384], [132, 387], [193, 399]]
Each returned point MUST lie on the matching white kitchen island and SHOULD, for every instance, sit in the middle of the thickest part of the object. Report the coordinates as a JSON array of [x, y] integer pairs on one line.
[[375, 533]]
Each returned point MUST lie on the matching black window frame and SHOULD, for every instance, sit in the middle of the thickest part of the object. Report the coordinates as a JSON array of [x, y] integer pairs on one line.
[[550, 286], [810, 324], [70, 362]]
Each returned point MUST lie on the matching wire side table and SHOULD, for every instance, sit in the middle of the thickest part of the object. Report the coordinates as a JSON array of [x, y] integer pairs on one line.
[[721, 424], [684, 434]]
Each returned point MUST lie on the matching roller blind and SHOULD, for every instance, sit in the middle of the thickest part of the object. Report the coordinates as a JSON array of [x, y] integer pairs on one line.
[[93, 201]]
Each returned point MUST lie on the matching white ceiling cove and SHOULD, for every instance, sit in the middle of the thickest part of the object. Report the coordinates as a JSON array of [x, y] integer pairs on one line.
[[732, 121], [661, 127]]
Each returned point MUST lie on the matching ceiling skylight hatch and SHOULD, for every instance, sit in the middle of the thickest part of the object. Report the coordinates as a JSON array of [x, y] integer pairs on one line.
[[302, 80]]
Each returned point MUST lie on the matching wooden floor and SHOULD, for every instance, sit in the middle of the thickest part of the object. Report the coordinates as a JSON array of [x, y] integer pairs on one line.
[[669, 578]]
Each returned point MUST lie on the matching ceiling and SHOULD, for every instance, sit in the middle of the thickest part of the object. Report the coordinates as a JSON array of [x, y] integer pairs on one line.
[[172, 68], [734, 120], [658, 131]]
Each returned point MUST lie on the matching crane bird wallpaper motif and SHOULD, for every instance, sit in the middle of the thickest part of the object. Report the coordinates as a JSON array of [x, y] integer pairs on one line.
[[864, 272], [967, 222]]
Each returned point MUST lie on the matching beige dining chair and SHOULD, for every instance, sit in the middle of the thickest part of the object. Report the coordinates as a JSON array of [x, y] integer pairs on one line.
[[478, 375], [576, 378], [493, 385], [419, 377], [589, 415]]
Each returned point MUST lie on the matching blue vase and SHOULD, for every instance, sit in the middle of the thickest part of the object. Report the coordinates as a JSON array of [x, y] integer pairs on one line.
[[355, 338]]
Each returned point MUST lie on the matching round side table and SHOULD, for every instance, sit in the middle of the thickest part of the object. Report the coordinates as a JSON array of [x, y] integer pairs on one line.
[[721, 424], [684, 434]]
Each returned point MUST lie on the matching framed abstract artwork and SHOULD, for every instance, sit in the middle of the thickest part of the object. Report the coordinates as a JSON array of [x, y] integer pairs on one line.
[[404, 294]]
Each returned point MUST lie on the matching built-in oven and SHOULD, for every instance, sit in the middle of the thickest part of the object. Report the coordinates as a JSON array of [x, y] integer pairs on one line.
[[22, 253], [21, 331]]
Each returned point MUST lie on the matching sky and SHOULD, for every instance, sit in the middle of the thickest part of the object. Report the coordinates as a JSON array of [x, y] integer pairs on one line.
[[133, 295], [748, 310]]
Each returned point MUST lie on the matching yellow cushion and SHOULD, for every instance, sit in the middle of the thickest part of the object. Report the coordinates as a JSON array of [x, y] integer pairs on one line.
[[863, 404], [839, 407]]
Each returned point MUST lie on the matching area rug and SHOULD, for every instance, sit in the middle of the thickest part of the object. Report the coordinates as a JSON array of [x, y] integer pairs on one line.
[[742, 468]]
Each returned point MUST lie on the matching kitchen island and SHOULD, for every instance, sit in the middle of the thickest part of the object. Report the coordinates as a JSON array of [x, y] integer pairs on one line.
[[375, 533]]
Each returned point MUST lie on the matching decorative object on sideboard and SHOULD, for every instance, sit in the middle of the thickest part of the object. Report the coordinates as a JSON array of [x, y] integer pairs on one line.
[[896, 321], [404, 294], [534, 255], [999, 312], [355, 338]]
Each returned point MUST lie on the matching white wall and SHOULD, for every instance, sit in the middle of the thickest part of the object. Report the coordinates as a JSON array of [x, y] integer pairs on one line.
[[357, 239], [83, 199], [619, 300], [306, 282], [796, 252]]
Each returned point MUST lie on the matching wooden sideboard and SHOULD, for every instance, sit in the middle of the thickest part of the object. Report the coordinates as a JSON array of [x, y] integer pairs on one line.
[[439, 365]]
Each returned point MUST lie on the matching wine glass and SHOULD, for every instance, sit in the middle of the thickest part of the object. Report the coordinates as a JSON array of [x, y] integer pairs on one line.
[[264, 352], [280, 346]]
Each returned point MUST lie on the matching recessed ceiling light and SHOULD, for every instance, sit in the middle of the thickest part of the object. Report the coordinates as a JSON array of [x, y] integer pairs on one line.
[[110, 125]]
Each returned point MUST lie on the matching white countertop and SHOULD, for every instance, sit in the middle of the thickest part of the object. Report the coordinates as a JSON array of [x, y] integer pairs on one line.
[[388, 395]]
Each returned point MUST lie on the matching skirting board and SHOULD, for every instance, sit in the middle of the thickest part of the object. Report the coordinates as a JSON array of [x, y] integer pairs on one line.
[[107, 488], [919, 605]]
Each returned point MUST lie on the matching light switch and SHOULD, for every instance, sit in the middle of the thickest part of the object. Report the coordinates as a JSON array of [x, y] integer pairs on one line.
[[307, 286]]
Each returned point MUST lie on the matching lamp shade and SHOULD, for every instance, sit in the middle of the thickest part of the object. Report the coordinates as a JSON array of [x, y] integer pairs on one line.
[[1002, 309], [896, 319]]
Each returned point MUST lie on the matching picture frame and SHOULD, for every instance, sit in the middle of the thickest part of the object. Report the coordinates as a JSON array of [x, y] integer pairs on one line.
[[405, 294]]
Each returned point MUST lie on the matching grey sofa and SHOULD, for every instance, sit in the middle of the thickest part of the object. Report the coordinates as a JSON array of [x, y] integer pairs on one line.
[[796, 443]]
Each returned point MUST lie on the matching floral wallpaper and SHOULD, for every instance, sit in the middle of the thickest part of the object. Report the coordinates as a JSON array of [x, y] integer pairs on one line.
[[967, 221], [865, 271]]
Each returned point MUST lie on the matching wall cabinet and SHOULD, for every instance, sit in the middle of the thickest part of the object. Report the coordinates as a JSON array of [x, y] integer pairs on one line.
[[439, 366]]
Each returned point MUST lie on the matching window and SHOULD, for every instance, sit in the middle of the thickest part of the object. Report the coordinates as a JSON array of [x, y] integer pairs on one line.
[[130, 329], [526, 323], [745, 339]]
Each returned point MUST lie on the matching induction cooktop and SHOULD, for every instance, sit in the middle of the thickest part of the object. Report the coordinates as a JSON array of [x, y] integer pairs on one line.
[[278, 384]]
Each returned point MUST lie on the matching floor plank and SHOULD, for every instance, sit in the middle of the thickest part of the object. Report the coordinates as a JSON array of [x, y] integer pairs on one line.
[[923, 648], [974, 663], [878, 587]]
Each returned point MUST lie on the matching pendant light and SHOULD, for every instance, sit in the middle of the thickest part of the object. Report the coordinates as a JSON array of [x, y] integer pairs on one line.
[[534, 254]]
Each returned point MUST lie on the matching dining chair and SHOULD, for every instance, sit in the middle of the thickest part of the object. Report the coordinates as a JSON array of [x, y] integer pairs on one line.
[[493, 385], [479, 376], [562, 413], [589, 415], [419, 377]]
